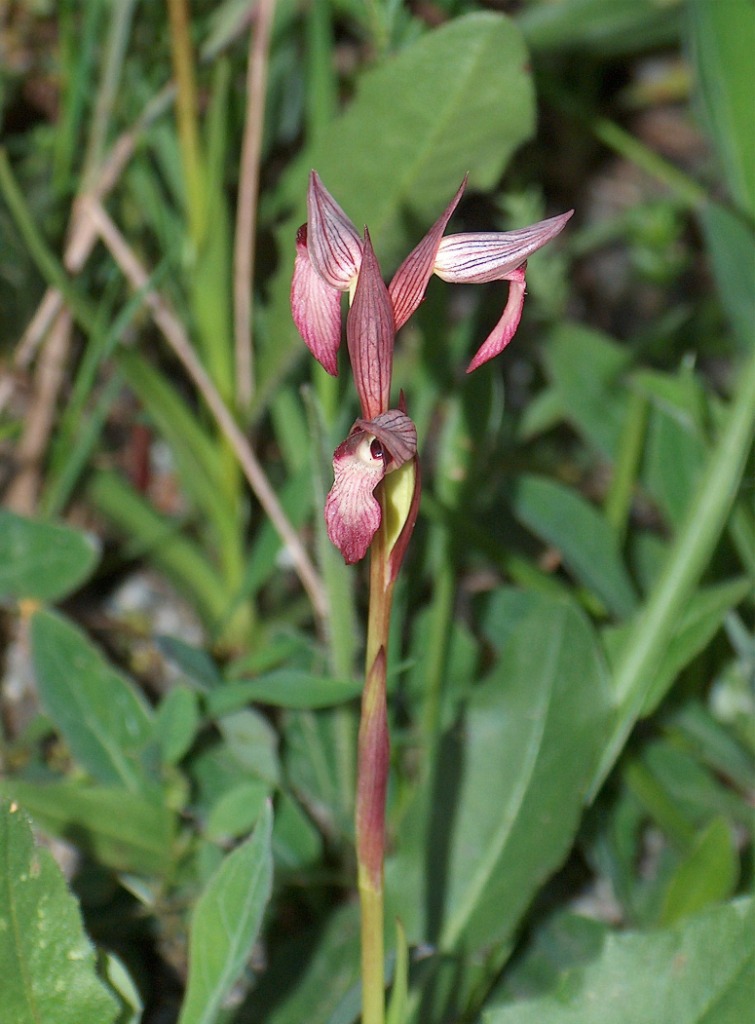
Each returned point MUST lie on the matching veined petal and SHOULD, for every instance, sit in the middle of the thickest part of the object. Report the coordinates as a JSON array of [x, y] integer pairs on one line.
[[407, 289], [506, 327], [478, 257], [370, 333], [316, 308], [352, 513], [335, 247]]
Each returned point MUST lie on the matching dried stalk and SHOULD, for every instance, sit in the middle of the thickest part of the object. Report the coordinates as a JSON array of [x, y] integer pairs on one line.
[[176, 336], [246, 202]]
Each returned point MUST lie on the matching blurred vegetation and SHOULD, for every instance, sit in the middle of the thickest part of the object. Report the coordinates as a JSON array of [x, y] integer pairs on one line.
[[573, 659]]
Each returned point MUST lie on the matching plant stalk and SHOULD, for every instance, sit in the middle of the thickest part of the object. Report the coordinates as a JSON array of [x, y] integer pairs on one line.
[[372, 781]]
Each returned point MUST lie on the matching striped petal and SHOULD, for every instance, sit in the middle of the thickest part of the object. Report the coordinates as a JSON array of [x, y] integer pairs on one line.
[[491, 256], [335, 247], [316, 308], [370, 333], [407, 289], [506, 327]]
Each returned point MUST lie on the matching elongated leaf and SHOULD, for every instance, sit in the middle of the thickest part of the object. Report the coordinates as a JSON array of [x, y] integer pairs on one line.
[[587, 543], [405, 142], [707, 875], [225, 924], [722, 38], [702, 618], [42, 560], [101, 715], [700, 972], [286, 688], [510, 781], [602, 26], [122, 830], [46, 961]]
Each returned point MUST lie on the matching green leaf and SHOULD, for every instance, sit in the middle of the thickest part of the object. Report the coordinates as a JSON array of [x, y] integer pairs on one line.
[[176, 723], [701, 620], [225, 923], [700, 972], [123, 830], [46, 961], [100, 714], [601, 26], [473, 857], [237, 810], [588, 544], [42, 561], [707, 875], [722, 38], [400, 150], [284, 688]]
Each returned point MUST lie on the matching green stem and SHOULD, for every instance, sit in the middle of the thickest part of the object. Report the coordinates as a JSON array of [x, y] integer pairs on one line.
[[372, 782], [692, 549]]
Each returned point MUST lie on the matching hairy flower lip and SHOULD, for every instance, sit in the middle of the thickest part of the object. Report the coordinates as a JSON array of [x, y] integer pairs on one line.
[[352, 512]]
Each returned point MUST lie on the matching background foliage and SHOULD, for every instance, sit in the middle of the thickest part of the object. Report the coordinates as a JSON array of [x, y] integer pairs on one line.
[[572, 661]]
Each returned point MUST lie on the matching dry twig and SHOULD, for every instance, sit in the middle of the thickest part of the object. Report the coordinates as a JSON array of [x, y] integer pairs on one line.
[[177, 337]]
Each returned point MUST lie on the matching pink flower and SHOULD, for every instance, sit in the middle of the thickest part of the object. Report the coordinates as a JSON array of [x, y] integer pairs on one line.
[[332, 258]]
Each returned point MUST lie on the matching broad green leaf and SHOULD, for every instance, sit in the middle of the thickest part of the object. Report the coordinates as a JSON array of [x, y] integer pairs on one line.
[[225, 923], [42, 561], [123, 830], [508, 793], [401, 148], [46, 961], [253, 742], [587, 543], [283, 688], [176, 723], [101, 715], [237, 810], [707, 874], [702, 971]]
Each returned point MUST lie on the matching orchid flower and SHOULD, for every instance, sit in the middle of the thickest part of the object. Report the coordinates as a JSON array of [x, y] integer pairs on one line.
[[332, 258], [374, 499]]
